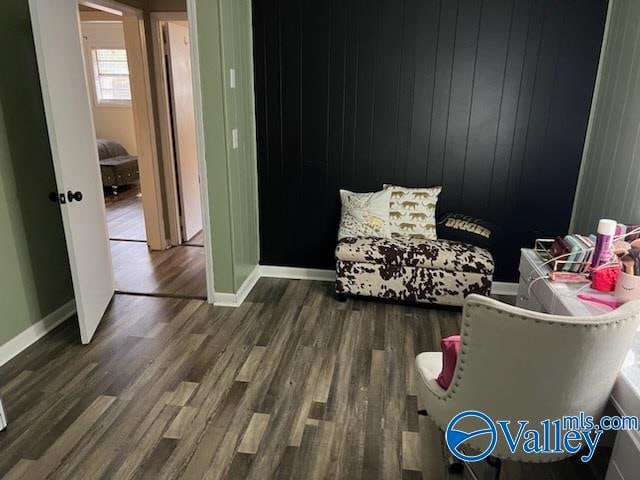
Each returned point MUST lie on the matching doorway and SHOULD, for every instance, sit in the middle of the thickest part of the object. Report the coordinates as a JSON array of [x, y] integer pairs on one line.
[[171, 47], [175, 267], [66, 84], [106, 63]]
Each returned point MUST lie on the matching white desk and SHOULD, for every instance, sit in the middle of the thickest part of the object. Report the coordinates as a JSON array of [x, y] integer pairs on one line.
[[560, 299]]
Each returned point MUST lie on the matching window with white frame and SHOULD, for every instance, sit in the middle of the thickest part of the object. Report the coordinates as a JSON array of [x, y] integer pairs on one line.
[[111, 75]]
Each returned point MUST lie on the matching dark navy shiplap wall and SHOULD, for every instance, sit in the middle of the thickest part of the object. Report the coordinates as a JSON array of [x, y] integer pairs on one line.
[[489, 99]]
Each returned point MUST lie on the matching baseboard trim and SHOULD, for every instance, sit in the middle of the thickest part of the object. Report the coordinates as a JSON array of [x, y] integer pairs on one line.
[[508, 289], [317, 274], [248, 285], [236, 299], [36, 331], [297, 273], [225, 299], [498, 288]]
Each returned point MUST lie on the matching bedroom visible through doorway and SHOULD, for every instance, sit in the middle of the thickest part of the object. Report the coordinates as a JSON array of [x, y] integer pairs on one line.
[[143, 194]]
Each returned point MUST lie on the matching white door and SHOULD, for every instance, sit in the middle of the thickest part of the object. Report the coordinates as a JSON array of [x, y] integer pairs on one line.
[[184, 129], [56, 33]]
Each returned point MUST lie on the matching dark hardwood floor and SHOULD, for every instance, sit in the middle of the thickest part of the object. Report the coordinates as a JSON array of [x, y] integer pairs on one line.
[[178, 271], [125, 217], [292, 384]]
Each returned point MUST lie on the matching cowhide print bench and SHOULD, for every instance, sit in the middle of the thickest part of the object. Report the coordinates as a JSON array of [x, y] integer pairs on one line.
[[441, 272]]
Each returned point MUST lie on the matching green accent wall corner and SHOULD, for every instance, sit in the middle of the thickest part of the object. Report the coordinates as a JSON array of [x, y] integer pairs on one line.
[[224, 42], [34, 276], [34, 270], [609, 183]]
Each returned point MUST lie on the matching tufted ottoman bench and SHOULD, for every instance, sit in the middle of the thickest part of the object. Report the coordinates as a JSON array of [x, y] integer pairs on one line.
[[442, 272]]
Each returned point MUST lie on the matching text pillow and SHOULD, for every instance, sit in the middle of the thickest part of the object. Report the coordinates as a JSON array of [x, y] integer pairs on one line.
[[364, 214], [412, 211], [466, 229], [450, 350]]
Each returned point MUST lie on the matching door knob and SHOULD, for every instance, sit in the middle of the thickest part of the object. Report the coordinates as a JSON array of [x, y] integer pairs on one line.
[[56, 197], [71, 196]]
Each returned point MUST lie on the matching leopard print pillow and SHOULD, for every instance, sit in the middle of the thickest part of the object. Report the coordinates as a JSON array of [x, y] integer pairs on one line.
[[412, 211], [364, 214]]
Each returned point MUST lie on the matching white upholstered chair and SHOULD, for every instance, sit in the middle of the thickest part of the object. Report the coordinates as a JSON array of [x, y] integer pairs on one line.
[[518, 364]]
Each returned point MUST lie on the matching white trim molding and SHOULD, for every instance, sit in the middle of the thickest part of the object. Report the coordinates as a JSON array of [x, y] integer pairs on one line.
[[236, 299], [317, 274], [498, 288], [509, 289], [36, 331], [166, 151], [3, 417], [202, 153], [296, 273]]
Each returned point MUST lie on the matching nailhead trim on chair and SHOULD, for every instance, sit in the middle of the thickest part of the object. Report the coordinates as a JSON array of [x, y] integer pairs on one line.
[[463, 352]]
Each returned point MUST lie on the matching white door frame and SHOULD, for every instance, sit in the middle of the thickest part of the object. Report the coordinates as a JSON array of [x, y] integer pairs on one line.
[[117, 8], [202, 164], [143, 117], [162, 101], [167, 153]]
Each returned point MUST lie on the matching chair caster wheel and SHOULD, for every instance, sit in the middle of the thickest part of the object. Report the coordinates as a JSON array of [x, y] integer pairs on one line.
[[455, 468]]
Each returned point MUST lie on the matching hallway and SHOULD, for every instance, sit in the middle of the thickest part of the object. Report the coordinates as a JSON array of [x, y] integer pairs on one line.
[[176, 272]]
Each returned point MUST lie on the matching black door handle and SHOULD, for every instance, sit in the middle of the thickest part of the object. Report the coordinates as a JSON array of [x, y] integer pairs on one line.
[[56, 197], [71, 196], [60, 197]]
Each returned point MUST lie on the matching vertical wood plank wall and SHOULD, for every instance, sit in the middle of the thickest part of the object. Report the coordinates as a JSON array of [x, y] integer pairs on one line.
[[489, 99], [610, 181]]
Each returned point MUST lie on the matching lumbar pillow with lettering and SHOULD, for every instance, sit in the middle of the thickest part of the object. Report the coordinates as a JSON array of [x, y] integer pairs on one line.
[[467, 229]]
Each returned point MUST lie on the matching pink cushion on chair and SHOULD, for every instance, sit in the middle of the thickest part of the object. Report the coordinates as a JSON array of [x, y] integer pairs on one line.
[[450, 349]]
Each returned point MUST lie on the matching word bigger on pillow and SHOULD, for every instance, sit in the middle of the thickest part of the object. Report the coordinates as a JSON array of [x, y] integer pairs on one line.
[[463, 228], [412, 211], [364, 214]]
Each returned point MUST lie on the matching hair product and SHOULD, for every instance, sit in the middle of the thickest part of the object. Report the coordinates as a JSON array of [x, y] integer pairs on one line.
[[604, 239]]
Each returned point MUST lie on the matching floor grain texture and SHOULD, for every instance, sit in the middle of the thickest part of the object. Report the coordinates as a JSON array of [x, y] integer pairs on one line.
[[177, 271], [292, 384], [125, 216]]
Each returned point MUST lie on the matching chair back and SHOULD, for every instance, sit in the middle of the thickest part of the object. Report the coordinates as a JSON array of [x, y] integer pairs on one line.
[[517, 364]]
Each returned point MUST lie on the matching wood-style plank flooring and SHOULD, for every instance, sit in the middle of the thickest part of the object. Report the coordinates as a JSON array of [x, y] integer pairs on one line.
[[178, 271], [197, 240], [125, 217], [292, 384]]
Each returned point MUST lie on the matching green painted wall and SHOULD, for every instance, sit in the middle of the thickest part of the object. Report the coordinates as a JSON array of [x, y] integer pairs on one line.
[[231, 173], [609, 183], [238, 54], [34, 273]]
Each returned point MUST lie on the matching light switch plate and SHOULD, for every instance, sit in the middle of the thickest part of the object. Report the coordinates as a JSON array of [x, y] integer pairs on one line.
[[232, 78], [3, 417], [234, 138]]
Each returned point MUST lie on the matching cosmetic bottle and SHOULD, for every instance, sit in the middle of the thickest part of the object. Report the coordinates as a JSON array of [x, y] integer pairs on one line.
[[604, 240]]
